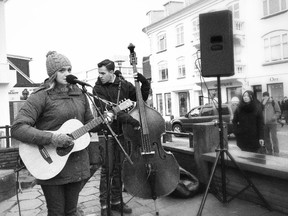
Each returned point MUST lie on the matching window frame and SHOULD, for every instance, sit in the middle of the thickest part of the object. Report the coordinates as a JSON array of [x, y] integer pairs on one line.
[[179, 35], [266, 7], [181, 69], [168, 104], [161, 42], [163, 66], [270, 47], [159, 103], [234, 7]]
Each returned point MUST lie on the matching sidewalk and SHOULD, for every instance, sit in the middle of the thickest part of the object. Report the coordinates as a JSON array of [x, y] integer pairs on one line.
[[32, 203]]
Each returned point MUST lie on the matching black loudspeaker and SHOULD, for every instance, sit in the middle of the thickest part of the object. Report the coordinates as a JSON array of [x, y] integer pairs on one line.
[[216, 44]]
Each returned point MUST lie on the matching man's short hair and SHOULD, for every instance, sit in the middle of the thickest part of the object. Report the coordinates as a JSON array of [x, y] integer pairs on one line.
[[108, 64], [265, 94]]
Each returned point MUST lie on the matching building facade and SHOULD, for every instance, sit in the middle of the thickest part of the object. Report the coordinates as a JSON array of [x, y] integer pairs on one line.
[[7, 76], [260, 33]]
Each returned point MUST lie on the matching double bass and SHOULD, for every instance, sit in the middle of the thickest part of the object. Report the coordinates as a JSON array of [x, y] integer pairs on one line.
[[154, 172]]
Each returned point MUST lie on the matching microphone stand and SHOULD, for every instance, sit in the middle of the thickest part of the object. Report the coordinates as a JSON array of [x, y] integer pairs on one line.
[[114, 135], [89, 95]]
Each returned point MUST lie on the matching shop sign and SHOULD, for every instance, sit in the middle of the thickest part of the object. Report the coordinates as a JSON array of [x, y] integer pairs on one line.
[[273, 79], [224, 84], [12, 92]]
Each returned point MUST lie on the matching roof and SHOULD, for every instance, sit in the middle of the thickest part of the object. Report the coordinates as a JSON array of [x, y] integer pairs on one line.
[[19, 57]]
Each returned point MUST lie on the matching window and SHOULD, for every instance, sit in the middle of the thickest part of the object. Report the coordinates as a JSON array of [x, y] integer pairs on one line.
[[183, 97], [159, 103], [276, 46], [213, 96], [163, 71], [196, 64], [276, 91], [271, 7], [195, 29], [161, 40], [181, 67], [257, 89], [195, 112], [207, 111], [167, 97], [233, 92], [195, 25], [235, 10], [180, 35]]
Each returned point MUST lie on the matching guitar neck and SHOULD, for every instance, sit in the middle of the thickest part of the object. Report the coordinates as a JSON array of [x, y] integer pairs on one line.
[[85, 128]]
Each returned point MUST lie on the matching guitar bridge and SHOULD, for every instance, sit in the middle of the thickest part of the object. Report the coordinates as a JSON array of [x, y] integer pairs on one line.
[[45, 154]]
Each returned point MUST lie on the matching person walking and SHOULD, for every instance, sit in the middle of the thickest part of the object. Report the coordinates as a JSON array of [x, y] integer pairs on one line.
[[271, 113], [112, 87], [248, 123], [285, 109], [54, 103]]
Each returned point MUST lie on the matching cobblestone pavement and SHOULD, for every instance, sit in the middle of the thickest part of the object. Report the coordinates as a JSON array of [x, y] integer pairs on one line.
[[32, 203]]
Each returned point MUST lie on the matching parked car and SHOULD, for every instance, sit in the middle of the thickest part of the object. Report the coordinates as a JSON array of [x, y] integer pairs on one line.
[[201, 114]]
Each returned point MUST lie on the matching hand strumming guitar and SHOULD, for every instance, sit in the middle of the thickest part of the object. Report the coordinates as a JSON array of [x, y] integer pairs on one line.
[[62, 140]]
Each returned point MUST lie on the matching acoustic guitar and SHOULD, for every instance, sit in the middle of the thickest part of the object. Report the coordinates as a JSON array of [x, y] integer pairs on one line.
[[46, 161]]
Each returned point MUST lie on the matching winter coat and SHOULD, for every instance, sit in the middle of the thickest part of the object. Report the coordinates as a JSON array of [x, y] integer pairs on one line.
[[285, 105], [109, 91], [271, 111], [248, 126], [46, 111]]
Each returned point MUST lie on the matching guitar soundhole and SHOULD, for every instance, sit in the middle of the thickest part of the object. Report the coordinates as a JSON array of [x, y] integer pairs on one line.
[[61, 151]]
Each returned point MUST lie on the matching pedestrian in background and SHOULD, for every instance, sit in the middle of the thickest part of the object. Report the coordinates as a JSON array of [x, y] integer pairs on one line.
[[234, 103], [285, 109], [248, 123], [271, 113]]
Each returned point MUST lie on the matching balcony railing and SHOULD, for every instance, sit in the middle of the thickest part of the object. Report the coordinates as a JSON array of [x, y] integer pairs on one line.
[[238, 27], [239, 68]]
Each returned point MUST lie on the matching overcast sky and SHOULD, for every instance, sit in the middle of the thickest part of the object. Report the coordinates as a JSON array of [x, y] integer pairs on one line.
[[86, 31]]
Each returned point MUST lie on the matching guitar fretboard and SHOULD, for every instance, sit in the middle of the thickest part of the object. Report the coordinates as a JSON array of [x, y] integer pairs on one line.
[[85, 128]]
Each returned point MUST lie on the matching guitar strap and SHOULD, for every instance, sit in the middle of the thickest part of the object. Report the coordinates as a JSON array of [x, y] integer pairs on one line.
[[118, 95]]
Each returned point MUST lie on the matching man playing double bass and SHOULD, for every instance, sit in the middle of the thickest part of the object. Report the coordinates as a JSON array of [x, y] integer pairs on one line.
[[113, 88]]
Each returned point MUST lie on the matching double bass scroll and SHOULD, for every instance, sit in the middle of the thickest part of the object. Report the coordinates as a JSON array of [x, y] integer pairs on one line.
[[154, 172]]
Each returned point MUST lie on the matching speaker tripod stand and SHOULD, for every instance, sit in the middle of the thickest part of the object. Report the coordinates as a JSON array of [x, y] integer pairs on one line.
[[220, 155]]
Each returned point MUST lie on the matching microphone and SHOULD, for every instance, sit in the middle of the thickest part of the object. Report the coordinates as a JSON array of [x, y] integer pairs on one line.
[[119, 74], [74, 80]]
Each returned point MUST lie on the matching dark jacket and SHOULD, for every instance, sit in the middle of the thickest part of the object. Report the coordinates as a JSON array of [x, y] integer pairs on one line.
[[109, 91], [248, 126], [46, 111]]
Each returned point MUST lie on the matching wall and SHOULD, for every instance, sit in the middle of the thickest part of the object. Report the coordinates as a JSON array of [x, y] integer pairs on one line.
[[8, 158]]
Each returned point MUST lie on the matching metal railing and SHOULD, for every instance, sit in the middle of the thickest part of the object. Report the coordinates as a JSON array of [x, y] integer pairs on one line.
[[7, 136]]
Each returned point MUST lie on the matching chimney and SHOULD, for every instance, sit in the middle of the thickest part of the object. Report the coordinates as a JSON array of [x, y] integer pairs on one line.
[[155, 15], [172, 7]]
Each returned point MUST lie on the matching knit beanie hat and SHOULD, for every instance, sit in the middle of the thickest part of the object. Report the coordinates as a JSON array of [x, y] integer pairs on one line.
[[265, 94], [55, 61]]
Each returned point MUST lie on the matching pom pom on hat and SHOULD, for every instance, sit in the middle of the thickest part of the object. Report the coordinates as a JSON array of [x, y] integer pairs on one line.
[[55, 61]]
